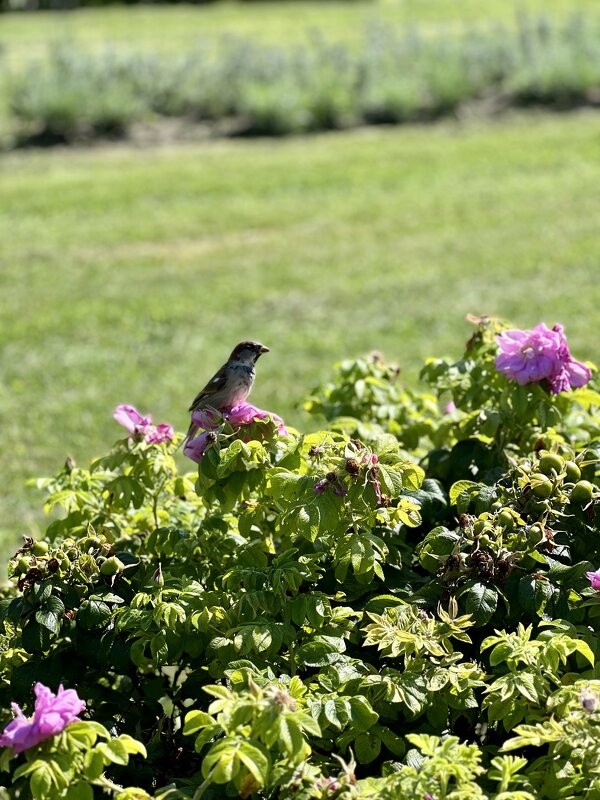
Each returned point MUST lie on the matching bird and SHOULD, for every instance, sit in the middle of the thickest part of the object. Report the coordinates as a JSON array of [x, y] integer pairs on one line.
[[231, 384]]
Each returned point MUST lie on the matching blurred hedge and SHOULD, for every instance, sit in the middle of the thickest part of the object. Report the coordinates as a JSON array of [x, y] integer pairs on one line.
[[244, 88]]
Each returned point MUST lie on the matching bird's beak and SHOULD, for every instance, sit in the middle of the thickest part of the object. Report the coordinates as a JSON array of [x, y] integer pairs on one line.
[[264, 349]]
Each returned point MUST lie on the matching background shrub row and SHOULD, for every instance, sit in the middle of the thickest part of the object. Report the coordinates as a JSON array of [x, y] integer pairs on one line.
[[394, 76]]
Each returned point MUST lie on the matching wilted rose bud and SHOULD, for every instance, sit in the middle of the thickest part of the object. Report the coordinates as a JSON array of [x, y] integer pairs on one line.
[[352, 466]]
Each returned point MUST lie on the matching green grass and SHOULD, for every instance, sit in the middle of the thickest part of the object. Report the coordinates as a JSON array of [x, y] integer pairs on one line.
[[127, 275], [175, 28]]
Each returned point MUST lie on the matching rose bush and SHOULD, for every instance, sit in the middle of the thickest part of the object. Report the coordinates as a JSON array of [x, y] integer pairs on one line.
[[401, 605]]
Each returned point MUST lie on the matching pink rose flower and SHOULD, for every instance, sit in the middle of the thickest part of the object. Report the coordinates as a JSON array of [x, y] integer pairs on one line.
[[594, 578], [141, 427], [528, 356], [195, 448], [209, 420], [160, 434], [52, 714], [570, 374], [131, 419], [244, 414], [540, 354]]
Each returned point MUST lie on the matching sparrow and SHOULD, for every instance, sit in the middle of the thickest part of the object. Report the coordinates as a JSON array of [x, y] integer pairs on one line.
[[231, 384]]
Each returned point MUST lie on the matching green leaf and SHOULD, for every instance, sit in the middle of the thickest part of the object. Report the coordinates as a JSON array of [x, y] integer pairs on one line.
[[80, 791], [35, 638], [93, 764], [196, 721], [412, 476], [585, 650], [159, 648], [131, 745], [223, 761], [436, 547], [114, 752], [220, 764], [93, 613], [393, 742], [481, 602], [367, 747], [50, 613], [330, 713], [41, 781], [308, 521], [361, 713], [285, 484], [290, 735], [255, 760], [524, 683], [458, 488], [317, 653], [40, 592], [391, 479], [534, 594], [124, 491]]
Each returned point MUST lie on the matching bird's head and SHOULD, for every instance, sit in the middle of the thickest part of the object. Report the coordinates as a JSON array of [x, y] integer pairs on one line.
[[248, 352]]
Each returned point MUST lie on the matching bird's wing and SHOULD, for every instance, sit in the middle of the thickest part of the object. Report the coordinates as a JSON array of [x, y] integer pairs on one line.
[[215, 384]]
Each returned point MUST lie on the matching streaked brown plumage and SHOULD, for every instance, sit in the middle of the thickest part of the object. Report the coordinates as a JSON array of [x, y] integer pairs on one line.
[[231, 384]]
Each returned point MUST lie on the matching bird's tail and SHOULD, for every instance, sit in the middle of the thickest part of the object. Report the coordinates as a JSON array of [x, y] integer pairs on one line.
[[188, 437]]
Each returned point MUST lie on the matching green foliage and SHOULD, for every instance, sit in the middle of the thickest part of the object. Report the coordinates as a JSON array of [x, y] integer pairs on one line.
[[395, 75], [70, 764], [342, 613]]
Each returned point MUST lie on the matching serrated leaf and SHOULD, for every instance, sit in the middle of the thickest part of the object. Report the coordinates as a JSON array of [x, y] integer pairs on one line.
[[131, 745], [525, 684], [196, 721], [318, 653], [361, 713], [290, 735], [481, 602], [35, 638], [256, 761], [534, 594], [93, 613], [50, 613], [585, 650], [114, 751], [367, 747], [458, 488], [393, 742], [40, 592]]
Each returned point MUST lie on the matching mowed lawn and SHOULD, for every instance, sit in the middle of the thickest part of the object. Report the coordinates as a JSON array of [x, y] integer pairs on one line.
[[127, 274], [173, 28]]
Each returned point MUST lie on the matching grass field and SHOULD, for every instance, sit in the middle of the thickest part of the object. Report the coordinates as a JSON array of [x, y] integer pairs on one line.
[[128, 274], [180, 27]]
